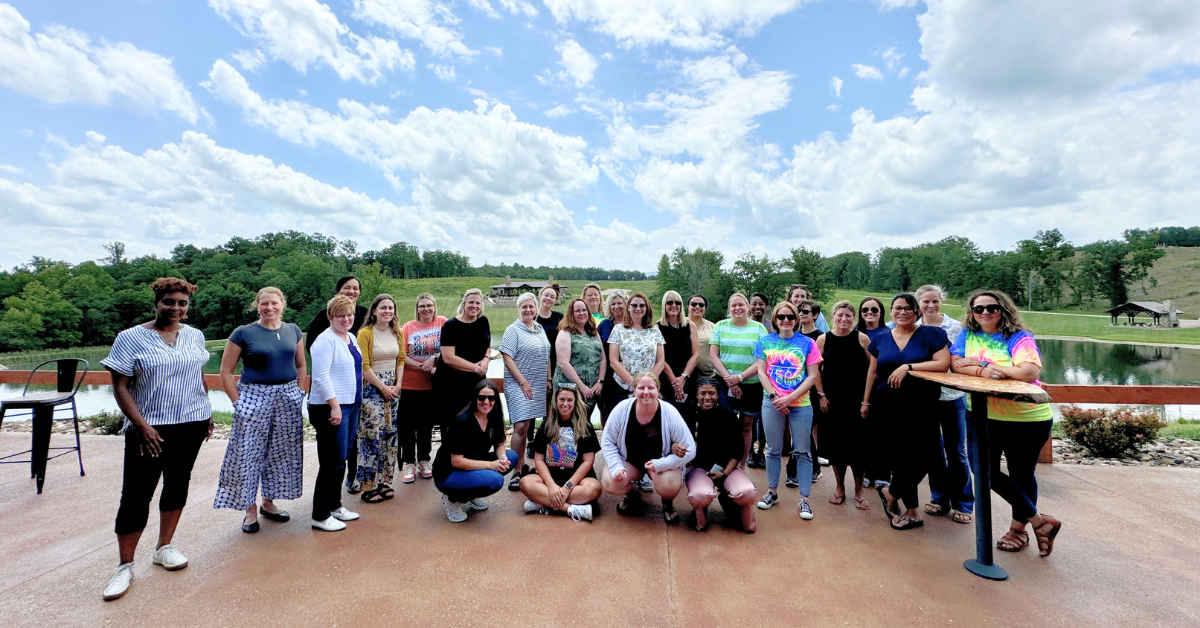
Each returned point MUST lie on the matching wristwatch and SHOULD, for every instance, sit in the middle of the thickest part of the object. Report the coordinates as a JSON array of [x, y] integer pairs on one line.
[[568, 485], [772, 396], [740, 379]]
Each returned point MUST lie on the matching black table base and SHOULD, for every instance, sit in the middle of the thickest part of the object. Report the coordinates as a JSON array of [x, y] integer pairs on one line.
[[982, 565]]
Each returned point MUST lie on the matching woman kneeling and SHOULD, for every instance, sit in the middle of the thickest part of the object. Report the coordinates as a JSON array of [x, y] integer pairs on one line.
[[714, 472], [473, 459], [637, 440], [564, 454]]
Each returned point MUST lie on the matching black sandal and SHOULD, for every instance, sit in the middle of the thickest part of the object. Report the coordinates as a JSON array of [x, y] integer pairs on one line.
[[670, 515], [887, 510], [372, 496], [907, 523], [629, 505], [386, 492]]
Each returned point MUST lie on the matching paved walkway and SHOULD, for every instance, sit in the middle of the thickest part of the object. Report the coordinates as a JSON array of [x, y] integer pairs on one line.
[[1129, 555]]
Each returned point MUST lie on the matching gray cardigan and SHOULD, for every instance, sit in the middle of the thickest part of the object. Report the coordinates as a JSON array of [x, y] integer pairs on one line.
[[675, 430]]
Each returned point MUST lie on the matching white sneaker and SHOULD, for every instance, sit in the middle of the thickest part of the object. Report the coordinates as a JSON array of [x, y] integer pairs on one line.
[[118, 584], [579, 512], [532, 507], [341, 514], [329, 525], [170, 558], [426, 469], [476, 504], [806, 512], [454, 510], [823, 461]]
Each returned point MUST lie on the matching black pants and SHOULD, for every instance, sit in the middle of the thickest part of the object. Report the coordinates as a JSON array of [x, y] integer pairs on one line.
[[333, 445], [414, 422], [180, 446], [1021, 443], [911, 439]]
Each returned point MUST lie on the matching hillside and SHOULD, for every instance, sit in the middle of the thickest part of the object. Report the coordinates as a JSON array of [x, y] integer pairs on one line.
[[1178, 275]]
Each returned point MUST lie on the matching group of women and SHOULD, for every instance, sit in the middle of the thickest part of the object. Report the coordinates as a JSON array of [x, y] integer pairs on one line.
[[682, 402]]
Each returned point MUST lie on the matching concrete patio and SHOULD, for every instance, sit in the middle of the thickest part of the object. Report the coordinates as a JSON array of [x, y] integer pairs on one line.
[[1129, 555]]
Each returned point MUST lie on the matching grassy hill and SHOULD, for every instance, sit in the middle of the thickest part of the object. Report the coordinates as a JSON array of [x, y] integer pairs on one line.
[[1178, 275]]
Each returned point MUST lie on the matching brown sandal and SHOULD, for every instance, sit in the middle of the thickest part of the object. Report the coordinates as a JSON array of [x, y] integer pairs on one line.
[[1045, 542], [958, 516], [1013, 541], [935, 509], [837, 500]]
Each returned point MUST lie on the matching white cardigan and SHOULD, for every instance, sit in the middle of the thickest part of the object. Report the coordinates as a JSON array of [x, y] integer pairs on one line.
[[333, 370], [675, 430]]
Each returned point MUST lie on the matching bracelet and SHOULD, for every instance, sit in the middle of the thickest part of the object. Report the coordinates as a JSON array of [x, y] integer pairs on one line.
[[740, 378], [820, 393], [866, 403], [979, 371]]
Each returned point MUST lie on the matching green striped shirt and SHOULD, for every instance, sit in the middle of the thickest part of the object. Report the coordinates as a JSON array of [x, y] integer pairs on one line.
[[737, 345]]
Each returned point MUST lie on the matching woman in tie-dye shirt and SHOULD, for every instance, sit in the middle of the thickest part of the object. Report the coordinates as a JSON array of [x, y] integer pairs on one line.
[[995, 344]]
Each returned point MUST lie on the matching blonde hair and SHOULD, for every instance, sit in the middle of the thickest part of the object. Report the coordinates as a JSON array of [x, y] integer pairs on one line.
[[785, 305], [683, 318], [424, 295], [463, 302], [615, 294], [843, 304], [640, 375], [526, 296], [579, 415], [929, 287], [339, 304], [258, 297]]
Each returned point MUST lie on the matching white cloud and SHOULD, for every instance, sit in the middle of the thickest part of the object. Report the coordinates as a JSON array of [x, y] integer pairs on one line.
[[496, 50], [304, 32], [192, 191], [559, 111], [835, 84], [444, 72], [833, 107], [250, 60], [608, 56], [426, 21], [482, 166], [577, 61], [903, 72], [887, 5], [60, 65], [515, 7], [891, 58], [11, 169], [592, 208], [868, 72], [690, 24]]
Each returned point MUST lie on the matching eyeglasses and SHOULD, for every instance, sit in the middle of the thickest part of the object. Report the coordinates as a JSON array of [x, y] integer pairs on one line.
[[904, 308], [345, 316], [785, 317], [806, 312], [637, 306], [990, 309], [674, 302], [870, 310], [696, 304], [169, 302], [486, 398]]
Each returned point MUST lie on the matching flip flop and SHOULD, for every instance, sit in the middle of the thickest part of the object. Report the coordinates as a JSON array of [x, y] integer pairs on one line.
[[837, 500], [887, 512], [907, 523], [861, 504], [935, 509], [958, 516]]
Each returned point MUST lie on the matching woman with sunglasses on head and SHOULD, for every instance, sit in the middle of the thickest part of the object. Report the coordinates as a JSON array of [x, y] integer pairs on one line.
[[638, 442], [383, 353], [731, 349], [902, 403], [463, 359], [266, 444], [157, 370], [995, 344], [614, 313], [564, 447], [681, 351], [714, 472], [847, 376], [526, 353], [950, 489], [472, 459], [581, 359], [333, 407], [787, 365], [418, 410]]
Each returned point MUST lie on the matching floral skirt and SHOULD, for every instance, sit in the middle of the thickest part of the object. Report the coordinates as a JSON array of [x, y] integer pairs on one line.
[[376, 437]]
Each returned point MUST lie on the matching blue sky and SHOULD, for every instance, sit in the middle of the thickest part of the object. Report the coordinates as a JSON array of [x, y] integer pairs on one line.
[[576, 132]]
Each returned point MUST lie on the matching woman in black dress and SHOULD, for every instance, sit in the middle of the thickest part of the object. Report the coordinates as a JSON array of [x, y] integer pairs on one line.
[[682, 351], [848, 372], [463, 363]]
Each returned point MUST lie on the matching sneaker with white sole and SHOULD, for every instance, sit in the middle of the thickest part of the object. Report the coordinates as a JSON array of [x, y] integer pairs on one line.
[[426, 468], [118, 584], [409, 474], [580, 512], [824, 462], [454, 510], [791, 482], [170, 558], [329, 525], [646, 484], [477, 504], [768, 500], [806, 512], [532, 507], [341, 514]]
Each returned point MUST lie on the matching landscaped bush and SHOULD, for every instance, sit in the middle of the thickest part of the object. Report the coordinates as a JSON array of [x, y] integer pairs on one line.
[[108, 422], [1110, 433]]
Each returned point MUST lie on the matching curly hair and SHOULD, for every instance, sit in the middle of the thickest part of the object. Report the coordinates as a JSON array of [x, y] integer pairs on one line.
[[167, 285], [1010, 317]]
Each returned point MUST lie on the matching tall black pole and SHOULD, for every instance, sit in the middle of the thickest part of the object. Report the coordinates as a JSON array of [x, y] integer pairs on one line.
[[982, 564]]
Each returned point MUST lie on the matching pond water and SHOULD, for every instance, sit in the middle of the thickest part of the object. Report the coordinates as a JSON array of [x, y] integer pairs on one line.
[[1064, 362]]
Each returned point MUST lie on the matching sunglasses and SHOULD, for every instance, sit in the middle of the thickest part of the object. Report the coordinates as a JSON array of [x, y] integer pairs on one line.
[[637, 306], [786, 317], [990, 309], [904, 308], [870, 310], [674, 302], [696, 304], [169, 302], [806, 312], [485, 398]]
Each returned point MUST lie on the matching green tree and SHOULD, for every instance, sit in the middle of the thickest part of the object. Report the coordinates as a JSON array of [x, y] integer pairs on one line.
[[760, 274], [60, 320], [697, 272], [1050, 257], [1112, 265], [808, 267], [21, 330]]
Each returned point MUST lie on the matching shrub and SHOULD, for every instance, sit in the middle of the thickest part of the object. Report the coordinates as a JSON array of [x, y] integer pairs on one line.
[[108, 422], [1108, 432]]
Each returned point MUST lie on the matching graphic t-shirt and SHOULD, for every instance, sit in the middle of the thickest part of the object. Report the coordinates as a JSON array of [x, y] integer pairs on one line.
[[422, 343], [1005, 352], [786, 360], [564, 455], [737, 345]]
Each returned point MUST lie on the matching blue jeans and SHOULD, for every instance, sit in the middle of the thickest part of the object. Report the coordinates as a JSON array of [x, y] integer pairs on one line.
[[461, 486], [800, 420], [950, 472]]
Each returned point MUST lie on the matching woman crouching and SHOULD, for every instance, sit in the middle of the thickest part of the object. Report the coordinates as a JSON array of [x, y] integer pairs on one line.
[[564, 456]]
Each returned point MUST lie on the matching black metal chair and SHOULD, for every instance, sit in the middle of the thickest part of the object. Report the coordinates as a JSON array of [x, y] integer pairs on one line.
[[43, 406]]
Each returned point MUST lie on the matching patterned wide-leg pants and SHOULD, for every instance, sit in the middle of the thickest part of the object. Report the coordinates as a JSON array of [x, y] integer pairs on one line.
[[377, 437], [266, 446]]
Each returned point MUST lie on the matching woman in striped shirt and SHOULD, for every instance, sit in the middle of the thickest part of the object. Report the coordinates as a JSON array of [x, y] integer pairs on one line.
[[731, 349], [158, 380]]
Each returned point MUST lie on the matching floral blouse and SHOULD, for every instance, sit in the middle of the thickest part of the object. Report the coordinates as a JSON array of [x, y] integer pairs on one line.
[[638, 348]]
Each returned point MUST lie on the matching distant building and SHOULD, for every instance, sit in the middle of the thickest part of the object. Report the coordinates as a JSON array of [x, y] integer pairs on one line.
[[1155, 310], [505, 294]]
